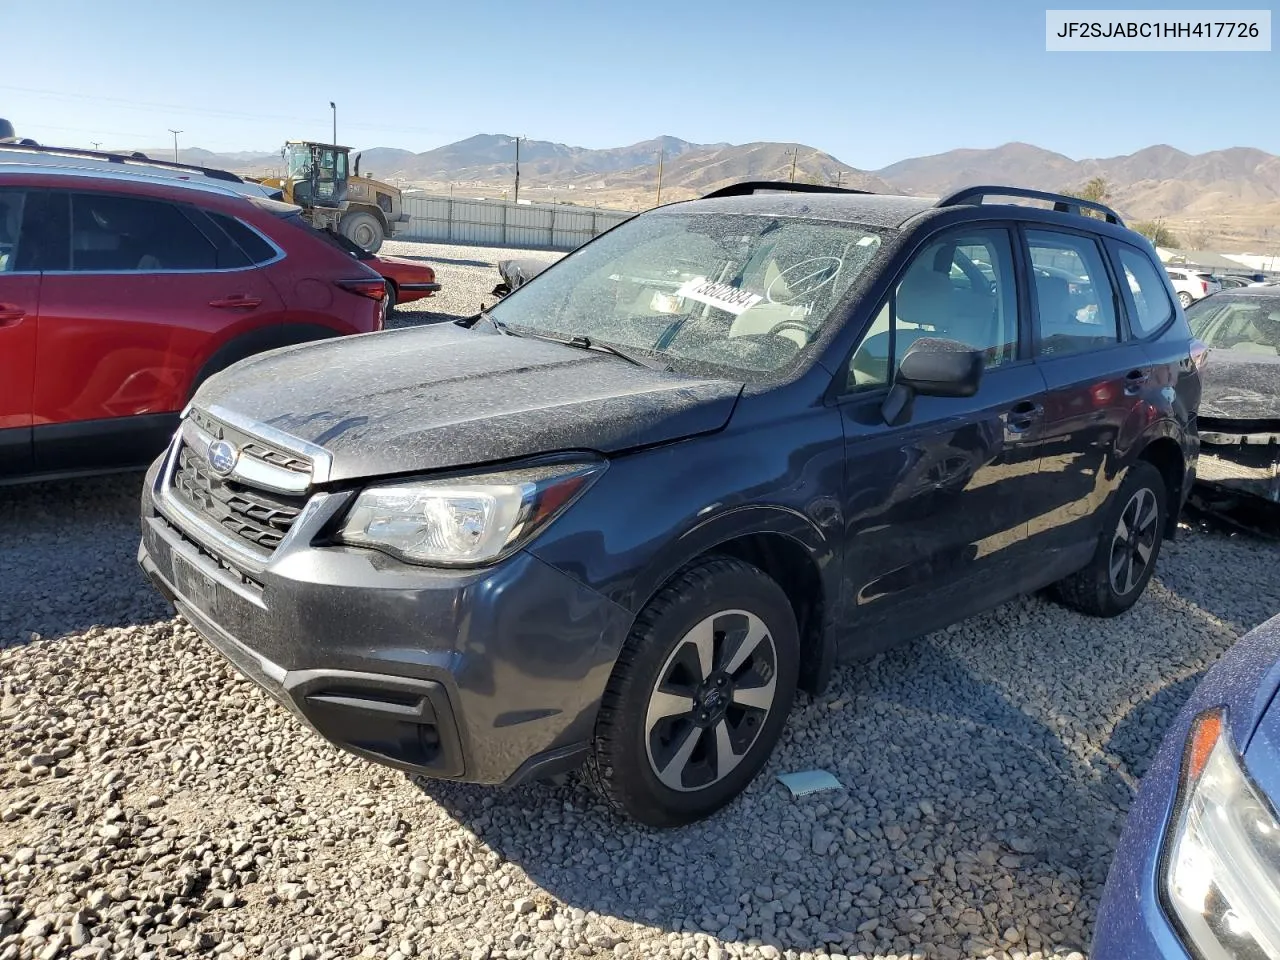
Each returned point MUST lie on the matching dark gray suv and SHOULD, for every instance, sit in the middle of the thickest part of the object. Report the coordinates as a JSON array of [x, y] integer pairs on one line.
[[615, 522]]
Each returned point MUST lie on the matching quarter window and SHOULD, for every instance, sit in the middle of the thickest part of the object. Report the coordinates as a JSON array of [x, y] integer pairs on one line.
[[1152, 306], [960, 287], [1075, 301], [244, 237], [125, 234]]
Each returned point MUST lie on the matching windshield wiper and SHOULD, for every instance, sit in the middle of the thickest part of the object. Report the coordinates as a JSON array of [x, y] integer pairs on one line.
[[586, 343], [499, 325]]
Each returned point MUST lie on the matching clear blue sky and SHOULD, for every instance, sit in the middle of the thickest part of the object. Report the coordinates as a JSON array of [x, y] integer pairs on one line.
[[868, 81]]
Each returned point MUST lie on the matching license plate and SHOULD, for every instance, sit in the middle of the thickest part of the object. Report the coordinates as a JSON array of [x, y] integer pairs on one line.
[[199, 589]]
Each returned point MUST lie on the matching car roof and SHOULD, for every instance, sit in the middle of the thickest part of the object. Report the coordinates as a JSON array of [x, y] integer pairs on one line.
[[1270, 290], [773, 198], [94, 170], [873, 209]]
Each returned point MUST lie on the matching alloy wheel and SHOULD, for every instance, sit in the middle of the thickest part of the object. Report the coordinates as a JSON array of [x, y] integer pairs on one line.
[[1134, 541], [711, 700]]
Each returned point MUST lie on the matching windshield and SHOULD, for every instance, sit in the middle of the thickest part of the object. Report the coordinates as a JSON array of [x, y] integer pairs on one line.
[[745, 292], [1245, 324]]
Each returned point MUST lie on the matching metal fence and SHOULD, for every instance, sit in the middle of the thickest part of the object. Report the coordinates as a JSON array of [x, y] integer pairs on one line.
[[552, 226]]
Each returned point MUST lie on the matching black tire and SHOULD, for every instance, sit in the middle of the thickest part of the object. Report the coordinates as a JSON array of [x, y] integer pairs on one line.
[[363, 229], [720, 595], [1184, 298], [1111, 584]]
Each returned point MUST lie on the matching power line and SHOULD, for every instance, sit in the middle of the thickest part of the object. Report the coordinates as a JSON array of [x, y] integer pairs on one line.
[[202, 111]]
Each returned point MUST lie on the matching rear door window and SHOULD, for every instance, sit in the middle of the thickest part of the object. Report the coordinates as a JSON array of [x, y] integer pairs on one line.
[[44, 242], [1076, 304], [121, 234], [1151, 306]]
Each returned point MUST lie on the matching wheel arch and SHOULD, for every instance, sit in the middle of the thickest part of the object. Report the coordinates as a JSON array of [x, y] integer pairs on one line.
[[790, 549], [1164, 453]]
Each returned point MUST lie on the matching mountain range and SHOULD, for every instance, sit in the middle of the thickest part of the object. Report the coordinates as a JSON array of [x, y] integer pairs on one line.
[[1221, 199]]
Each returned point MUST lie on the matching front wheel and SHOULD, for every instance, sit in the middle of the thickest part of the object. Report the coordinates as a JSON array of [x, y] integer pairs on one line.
[[1128, 546], [699, 694]]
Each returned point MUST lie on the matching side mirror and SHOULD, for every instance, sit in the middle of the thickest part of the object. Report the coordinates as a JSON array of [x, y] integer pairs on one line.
[[932, 367]]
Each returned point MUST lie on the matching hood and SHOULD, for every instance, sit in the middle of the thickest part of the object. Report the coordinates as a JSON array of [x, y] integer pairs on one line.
[[428, 398], [1241, 386], [1262, 756]]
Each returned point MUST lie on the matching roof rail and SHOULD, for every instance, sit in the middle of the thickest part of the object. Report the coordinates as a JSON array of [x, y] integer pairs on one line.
[[748, 187], [210, 172], [1061, 202]]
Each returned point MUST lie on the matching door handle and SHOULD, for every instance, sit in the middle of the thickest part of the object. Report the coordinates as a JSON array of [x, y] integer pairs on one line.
[[1134, 381], [236, 302], [11, 314], [1024, 414]]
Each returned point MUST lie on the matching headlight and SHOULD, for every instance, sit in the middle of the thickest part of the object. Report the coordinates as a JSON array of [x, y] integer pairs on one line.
[[1222, 859], [464, 521]]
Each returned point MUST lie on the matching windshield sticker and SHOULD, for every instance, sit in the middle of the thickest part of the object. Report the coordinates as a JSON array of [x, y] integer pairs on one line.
[[719, 295], [666, 303]]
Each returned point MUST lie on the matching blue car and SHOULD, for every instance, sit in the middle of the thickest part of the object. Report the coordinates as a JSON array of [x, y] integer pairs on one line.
[[1197, 873]]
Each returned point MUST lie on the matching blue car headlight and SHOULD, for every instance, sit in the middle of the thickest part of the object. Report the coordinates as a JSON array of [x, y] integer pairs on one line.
[[1222, 853]]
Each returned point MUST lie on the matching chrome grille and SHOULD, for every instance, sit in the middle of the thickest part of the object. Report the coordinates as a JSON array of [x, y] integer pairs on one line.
[[249, 445], [253, 516]]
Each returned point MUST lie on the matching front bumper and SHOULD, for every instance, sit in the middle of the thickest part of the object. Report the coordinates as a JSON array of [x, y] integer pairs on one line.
[[1241, 459], [490, 676]]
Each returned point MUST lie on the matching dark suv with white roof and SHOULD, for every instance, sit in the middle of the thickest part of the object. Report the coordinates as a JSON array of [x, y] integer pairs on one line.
[[617, 520]]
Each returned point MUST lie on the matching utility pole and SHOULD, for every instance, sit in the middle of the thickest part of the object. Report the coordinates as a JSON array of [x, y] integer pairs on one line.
[[516, 195], [839, 179], [794, 154], [96, 143], [334, 107], [175, 143], [661, 157]]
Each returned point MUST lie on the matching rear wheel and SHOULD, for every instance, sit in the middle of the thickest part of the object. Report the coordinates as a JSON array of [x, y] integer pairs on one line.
[[1127, 549], [363, 229], [699, 694], [1184, 298]]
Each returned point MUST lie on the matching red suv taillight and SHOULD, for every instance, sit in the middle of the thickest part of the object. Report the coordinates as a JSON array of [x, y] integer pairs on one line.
[[373, 289]]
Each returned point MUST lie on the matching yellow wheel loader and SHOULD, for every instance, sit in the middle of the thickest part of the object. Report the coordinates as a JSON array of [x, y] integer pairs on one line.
[[316, 177]]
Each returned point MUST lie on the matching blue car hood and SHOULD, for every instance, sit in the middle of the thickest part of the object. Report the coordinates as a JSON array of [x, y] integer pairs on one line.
[[1262, 756]]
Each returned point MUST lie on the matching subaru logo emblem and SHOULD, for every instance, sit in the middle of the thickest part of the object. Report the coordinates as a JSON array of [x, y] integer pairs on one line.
[[222, 457]]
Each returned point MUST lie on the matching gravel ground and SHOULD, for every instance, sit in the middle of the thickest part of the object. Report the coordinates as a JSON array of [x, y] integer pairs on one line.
[[153, 804]]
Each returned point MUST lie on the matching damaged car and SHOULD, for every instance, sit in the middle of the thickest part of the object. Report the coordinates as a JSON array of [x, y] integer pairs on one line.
[[615, 522], [516, 272], [1240, 411]]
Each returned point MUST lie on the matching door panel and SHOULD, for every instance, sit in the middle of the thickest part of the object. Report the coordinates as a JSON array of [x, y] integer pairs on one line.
[[19, 302], [938, 508], [125, 341], [1095, 385]]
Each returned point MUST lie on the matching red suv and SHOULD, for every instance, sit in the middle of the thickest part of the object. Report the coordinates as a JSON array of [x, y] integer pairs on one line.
[[124, 285]]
